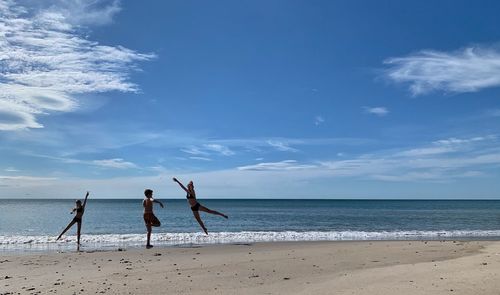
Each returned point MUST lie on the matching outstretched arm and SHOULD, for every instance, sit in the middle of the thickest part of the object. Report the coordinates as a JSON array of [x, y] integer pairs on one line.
[[85, 201], [156, 201], [180, 184]]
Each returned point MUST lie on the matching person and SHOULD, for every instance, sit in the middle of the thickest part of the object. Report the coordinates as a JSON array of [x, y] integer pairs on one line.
[[195, 206], [149, 218], [79, 209]]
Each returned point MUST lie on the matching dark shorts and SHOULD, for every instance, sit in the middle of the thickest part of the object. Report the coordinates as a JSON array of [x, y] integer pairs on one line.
[[150, 219], [195, 207]]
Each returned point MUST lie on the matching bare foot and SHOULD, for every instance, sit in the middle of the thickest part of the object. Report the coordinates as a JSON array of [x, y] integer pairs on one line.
[[205, 230], [225, 216], [149, 246]]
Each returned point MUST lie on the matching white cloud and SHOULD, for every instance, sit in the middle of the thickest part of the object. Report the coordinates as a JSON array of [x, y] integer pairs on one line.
[[85, 12], [208, 149], [379, 111], [11, 169], [281, 146], [435, 176], [45, 63], [443, 159], [278, 166], [427, 151], [223, 150], [201, 158], [293, 178], [434, 163], [201, 146], [318, 120], [194, 151], [461, 141], [114, 163], [448, 145], [467, 70]]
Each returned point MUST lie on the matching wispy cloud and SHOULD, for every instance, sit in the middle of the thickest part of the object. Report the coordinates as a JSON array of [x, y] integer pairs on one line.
[[114, 163], [45, 62], [460, 141], [378, 111], [223, 150], [318, 120], [466, 70], [448, 145], [194, 151], [11, 169], [208, 149], [201, 158], [426, 151], [281, 146], [84, 12], [442, 160], [294, 177], [286, 165]]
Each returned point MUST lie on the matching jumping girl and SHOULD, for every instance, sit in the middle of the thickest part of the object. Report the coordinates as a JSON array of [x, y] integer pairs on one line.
[[195, 206]]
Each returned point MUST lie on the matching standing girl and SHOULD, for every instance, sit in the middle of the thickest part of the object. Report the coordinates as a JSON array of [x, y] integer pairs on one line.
[[79, 209]]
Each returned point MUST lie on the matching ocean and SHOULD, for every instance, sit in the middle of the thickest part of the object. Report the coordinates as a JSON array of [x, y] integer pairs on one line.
[[33, 225]]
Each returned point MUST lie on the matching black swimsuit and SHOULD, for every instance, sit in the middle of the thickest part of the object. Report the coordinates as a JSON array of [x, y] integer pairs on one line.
[[78, 219], [195, 207]]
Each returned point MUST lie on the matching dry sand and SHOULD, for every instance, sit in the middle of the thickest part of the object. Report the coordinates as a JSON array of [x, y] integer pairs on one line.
[[384, 267]]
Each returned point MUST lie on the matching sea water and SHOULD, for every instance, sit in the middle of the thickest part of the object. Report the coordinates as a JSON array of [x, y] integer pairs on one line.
[[29, 225]]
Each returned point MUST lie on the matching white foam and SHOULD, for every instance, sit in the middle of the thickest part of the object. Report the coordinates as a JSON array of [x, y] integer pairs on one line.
[[123, 240]]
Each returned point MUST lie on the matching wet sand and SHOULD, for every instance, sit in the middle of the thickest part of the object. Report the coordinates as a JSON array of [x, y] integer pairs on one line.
[[379, 267]]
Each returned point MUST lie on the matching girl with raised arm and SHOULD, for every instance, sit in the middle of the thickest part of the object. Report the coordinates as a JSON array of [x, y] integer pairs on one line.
[[79, 209], [195, 206]]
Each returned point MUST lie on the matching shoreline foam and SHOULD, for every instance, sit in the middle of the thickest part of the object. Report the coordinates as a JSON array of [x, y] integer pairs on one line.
[[113, 241]]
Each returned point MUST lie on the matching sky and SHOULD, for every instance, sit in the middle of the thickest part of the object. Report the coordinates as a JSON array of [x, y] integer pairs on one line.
[[250, 99]]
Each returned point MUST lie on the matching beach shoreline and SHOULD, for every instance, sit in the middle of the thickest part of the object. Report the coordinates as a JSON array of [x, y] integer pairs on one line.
[[323, 267]]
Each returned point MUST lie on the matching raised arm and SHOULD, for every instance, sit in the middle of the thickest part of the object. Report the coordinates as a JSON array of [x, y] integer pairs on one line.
[[180, 184], [85, 201]]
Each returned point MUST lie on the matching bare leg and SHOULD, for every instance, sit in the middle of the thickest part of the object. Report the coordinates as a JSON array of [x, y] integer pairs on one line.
[[66, 229], [198, 218], [149, 228], [78, 231], [205, 209]]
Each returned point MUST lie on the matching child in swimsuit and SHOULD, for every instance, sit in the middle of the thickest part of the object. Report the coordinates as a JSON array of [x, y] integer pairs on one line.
[[79, 209], [149, 218], [195, 206]]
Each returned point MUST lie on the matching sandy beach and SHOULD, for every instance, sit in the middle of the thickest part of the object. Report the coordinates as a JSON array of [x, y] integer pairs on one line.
[[379, 267]]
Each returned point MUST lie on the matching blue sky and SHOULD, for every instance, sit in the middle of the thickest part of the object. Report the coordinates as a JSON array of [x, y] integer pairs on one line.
[[265, 99]]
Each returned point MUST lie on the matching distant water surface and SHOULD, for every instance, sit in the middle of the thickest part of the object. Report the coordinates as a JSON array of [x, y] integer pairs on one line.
[[34, 224]]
